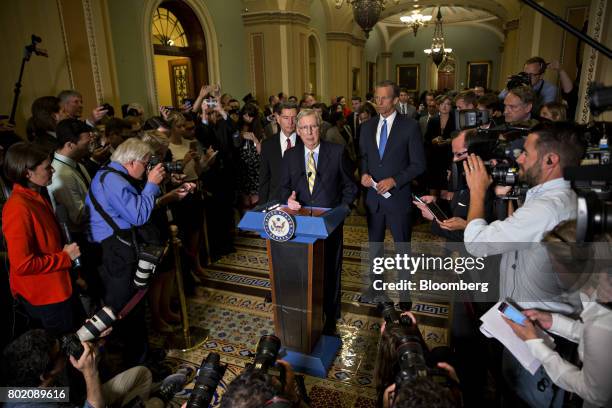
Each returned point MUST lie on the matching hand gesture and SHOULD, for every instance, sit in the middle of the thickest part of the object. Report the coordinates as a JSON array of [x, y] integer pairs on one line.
[[164, 112], [450, 370], [366, 180], [72, 250], [292, 202], [425, 213], [97, 114], [554, 65], [526, 331], [157, 174]]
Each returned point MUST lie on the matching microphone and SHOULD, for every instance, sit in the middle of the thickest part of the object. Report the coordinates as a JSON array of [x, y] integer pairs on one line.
[[62, 218]]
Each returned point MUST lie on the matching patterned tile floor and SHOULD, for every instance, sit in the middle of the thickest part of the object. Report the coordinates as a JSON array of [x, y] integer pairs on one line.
[[235, 321]]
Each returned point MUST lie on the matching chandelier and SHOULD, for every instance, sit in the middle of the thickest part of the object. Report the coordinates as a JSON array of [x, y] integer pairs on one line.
[[365, 12], [438, 50], [415, 21]]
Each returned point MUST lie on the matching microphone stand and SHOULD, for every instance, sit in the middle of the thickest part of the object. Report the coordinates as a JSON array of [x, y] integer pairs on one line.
[[27, 54]]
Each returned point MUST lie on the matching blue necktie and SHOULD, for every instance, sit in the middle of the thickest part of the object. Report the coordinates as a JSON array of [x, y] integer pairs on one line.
[[383, 139]]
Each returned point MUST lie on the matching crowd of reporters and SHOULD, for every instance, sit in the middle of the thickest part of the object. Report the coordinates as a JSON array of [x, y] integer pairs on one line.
[[86, 225]]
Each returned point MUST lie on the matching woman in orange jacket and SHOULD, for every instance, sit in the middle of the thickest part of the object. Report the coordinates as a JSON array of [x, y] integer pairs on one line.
[[40, 266]]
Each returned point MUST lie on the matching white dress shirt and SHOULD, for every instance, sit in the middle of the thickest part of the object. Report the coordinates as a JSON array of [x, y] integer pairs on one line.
[[526, 274], [68, 188], [593, 333], [283, 141], [390, 120]]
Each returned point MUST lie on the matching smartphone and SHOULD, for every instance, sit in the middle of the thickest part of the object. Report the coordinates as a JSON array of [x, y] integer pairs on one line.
[[512, 313], [433, 208]]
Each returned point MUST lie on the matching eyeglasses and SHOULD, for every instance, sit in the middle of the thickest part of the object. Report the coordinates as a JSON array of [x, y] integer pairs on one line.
[[144, 163], [309, 129]]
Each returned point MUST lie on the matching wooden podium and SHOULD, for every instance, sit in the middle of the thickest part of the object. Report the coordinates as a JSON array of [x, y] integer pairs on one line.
[[296, 276]]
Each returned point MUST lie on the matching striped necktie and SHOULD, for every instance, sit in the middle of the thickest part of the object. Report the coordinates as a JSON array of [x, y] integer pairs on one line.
[[311, 171]]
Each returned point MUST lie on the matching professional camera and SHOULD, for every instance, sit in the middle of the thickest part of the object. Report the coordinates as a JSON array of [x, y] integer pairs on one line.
[[391, 315], [471, 118], [209, 376], [171, 167], [593, 184], [522, 78], [600, 97], [92, 329], [267, 352], [149, 257]]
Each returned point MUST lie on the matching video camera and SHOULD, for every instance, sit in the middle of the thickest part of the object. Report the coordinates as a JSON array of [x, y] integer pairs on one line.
[[209, 376], [92, 329], [471, 118], [170, 167], [593, 184], [522, 78], [504, 172]]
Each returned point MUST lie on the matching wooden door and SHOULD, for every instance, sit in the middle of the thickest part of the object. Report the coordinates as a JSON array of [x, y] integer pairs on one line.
[[181, 80], [446, 80]]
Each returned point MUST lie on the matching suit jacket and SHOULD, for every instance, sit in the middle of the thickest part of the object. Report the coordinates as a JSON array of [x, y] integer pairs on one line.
[[403, 159], [334, 184], [270, 168], [350, 121], [410, 110]]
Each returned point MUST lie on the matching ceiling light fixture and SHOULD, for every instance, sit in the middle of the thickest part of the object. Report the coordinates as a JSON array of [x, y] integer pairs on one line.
[[415, 21], [365, 12]]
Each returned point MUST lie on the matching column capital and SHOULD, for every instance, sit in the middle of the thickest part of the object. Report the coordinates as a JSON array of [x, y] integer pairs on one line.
[[275, 17]]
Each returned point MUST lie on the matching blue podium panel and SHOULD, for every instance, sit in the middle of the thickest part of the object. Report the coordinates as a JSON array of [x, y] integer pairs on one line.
[[316, 363]]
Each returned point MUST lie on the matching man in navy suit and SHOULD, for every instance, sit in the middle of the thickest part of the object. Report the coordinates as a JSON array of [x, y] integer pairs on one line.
[[318, 173], [273, 150], [392, 155]]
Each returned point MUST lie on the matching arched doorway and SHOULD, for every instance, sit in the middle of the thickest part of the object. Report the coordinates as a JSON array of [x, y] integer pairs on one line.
[[179, 49], [446, 74]]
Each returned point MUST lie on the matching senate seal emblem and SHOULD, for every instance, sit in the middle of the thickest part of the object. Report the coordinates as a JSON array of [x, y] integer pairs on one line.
[[279, 225]]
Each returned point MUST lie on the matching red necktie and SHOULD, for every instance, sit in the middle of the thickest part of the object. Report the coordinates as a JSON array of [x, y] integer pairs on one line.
[[289, 143]]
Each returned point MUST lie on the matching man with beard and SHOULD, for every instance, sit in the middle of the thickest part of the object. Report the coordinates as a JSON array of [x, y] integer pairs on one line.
[[525, 270]]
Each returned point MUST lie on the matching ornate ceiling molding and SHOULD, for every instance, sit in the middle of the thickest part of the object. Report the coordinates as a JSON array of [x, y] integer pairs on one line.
[[275, 17]]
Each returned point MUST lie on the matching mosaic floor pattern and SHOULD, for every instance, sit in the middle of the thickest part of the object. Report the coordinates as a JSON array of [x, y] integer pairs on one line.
[[231, 306]]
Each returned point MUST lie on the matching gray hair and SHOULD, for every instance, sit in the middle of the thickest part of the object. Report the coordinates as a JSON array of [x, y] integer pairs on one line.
[[155, 139], [67, 94], [130, 150], [309, 112]]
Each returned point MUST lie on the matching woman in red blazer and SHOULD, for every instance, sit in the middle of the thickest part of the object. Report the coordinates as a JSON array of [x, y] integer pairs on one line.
[[39, 271]]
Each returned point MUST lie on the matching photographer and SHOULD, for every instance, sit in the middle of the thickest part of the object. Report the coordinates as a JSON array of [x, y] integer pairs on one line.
[[256, 389], [591, 379], [525, 274], [120, 209], [533, 76], [37, 359]]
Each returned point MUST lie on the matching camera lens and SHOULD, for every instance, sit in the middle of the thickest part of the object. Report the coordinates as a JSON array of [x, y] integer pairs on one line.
[[209, 376], [96, 324], [267, 352], [594, 217]]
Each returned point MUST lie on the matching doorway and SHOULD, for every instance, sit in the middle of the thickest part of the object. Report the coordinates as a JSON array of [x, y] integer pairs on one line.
[[179, 53]]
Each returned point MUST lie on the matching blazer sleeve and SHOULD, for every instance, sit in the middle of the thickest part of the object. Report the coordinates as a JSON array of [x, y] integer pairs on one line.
[[363, 162], [416, 156]]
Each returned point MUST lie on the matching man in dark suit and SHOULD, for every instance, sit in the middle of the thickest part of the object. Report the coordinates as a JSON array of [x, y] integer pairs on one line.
[[405, 107], [318, 173], [273, 150], [392, 155]]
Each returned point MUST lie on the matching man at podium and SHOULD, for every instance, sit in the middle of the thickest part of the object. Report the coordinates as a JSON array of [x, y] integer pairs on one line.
[[318, 174]]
